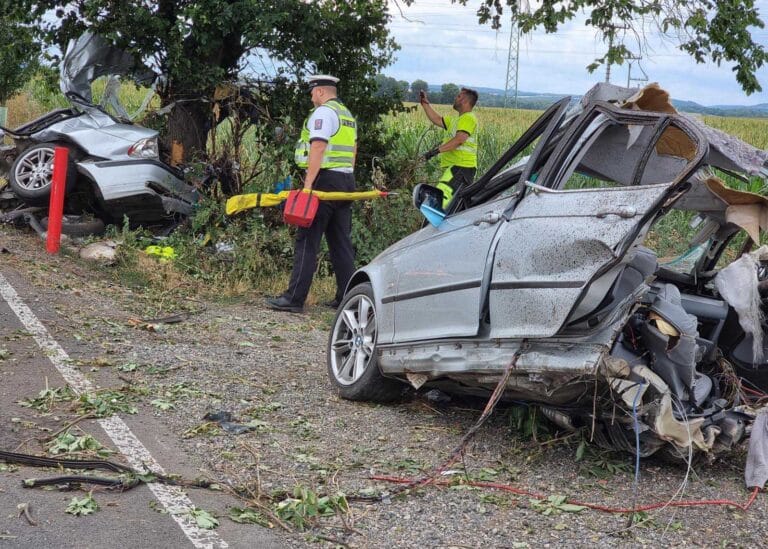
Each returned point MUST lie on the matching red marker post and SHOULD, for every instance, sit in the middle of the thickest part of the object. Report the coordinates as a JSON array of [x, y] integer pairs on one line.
[[56, 206]]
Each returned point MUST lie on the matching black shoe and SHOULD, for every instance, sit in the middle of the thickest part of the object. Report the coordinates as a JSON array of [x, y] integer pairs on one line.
[[332, 304], [283, 304]]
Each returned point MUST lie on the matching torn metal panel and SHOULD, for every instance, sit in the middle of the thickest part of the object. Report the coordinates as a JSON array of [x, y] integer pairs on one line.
[[90, 56]]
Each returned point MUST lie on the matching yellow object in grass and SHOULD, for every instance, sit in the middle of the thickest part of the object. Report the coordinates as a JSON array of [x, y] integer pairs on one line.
[[164, 253]]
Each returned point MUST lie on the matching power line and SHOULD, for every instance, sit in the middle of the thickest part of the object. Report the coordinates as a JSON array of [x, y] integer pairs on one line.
[[535, 51]]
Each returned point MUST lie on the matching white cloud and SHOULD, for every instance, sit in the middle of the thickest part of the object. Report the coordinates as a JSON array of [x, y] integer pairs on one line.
[[448, 45]]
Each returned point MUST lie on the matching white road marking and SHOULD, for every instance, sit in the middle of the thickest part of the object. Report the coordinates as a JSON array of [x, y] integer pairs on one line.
[[172, 498]]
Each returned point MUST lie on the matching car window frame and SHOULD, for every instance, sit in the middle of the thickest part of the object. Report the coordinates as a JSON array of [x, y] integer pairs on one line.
[[540, 128]]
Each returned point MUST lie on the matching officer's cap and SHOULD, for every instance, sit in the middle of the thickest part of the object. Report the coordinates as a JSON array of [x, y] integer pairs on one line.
[[322, 80]]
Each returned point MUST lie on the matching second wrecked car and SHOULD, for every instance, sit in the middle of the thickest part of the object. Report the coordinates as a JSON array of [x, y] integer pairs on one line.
[[547, 262], [115, 169]]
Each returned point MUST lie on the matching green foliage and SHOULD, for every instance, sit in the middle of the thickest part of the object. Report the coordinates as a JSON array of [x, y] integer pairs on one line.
[[555, 504], [203, 518], [47, 398], [81, 507], [305, 507], [67, 443], [528, 422], [248, 515], [599, 463], [105, 403], [386, 86], [448, 93], [416, 87]]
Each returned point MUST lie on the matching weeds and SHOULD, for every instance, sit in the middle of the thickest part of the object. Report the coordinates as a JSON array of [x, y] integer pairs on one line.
[[305, 507], [528, 423]]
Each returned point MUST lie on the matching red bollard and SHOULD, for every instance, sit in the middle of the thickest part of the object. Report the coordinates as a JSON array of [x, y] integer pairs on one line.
[[56, 206]]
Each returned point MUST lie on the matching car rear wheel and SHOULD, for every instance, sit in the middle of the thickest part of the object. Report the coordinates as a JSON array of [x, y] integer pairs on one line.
[[352, 365], [32, 172]]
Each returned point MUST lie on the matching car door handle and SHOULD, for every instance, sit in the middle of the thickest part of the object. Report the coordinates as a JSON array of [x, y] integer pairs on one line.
[[625, 212], [490, 218]]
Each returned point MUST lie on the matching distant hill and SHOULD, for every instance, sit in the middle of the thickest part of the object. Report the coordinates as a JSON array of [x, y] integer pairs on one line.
[[494, 97]]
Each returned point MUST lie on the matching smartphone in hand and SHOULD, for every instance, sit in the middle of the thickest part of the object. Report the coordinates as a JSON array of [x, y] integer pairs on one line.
[[422, 96]]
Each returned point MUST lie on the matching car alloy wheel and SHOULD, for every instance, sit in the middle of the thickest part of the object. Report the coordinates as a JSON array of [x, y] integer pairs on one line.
[[34, 169], [353, 339]]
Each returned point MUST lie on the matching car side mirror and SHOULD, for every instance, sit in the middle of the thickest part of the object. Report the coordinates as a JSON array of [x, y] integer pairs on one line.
[[429, 201]]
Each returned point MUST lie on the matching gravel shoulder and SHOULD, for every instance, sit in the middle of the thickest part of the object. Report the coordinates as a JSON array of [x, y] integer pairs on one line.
[[268, 368]]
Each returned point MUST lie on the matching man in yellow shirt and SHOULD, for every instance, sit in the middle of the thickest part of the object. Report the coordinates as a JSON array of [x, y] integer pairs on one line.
[[458, 150]]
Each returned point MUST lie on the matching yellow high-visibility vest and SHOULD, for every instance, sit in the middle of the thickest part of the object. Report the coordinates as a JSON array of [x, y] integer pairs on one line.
[[340, 151]]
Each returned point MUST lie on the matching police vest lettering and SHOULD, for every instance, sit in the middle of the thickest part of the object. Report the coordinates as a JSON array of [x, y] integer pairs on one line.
[[340, 151]]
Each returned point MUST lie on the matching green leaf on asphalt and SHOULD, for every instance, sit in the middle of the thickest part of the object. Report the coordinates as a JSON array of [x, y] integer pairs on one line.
[[203, 518], [83, 506]]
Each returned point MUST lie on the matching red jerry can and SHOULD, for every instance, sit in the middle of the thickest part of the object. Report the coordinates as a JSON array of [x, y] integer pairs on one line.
[[300, 208]]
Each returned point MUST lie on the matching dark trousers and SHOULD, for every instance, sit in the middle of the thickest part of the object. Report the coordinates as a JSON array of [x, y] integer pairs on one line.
[[334, 220], [462, 177]]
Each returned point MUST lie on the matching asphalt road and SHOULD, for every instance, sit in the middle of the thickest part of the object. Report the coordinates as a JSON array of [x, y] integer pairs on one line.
[[135, 518]]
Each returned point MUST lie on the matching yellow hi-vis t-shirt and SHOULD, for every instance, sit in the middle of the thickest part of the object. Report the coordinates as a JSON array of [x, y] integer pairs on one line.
[[465, 156]]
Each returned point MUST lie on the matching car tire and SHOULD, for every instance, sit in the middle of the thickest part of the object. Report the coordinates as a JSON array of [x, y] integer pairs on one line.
[[352, 366], [75, 225], [31, 173]]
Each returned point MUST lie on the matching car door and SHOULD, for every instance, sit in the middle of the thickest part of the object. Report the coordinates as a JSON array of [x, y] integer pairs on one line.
[[557, 241], [440, 273]]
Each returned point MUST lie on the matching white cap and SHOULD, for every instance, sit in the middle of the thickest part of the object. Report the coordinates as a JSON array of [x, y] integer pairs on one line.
[[321, 80]]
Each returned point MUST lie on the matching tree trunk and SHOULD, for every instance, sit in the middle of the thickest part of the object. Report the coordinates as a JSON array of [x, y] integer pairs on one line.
[[186, 133]]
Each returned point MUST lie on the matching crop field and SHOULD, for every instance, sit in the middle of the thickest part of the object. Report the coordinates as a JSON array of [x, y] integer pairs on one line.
[[501, 127]]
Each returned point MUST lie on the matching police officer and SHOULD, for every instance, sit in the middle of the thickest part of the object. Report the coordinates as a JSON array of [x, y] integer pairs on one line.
[[458, 150], [326, 148]]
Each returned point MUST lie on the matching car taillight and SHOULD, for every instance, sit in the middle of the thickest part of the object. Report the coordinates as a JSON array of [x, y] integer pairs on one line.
[[144, 148]]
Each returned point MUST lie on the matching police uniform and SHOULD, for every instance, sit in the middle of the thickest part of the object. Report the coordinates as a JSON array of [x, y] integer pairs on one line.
[[333, 123], [460, 164]]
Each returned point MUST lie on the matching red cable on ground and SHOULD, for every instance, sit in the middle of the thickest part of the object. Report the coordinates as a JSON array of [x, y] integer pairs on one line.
[[595, 506]]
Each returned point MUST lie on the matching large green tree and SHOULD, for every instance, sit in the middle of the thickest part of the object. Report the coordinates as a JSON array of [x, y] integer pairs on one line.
[[198, 44], [416, 87], [716, 30], [448, 93]]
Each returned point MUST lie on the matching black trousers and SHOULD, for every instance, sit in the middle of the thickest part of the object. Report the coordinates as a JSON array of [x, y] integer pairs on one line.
[[461, 177], [334, 220]]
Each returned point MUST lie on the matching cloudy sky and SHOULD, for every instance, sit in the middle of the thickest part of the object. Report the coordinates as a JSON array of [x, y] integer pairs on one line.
[[443, 43]]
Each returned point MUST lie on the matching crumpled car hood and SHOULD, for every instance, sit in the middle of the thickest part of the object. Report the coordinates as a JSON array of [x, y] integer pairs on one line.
[[90, 56]]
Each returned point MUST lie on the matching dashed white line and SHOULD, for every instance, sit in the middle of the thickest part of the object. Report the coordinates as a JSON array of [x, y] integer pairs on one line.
[[172, 498]]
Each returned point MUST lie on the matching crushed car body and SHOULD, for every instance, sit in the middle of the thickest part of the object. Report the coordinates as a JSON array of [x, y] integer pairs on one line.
[[115, 169], [550, 256]]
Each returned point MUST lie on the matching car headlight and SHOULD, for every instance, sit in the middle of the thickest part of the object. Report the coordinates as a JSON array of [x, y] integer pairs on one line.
[[144, 148]]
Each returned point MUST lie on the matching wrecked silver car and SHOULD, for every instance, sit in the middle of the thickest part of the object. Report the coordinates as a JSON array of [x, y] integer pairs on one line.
[[114, 168], [546, 263]]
